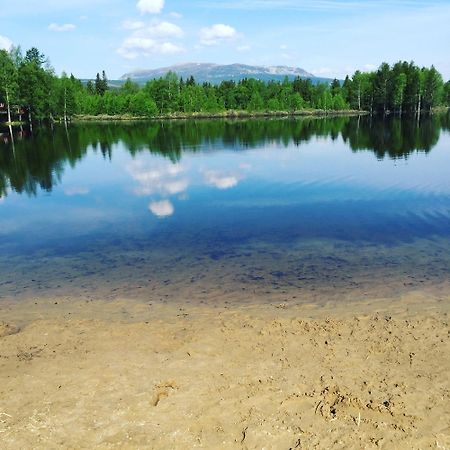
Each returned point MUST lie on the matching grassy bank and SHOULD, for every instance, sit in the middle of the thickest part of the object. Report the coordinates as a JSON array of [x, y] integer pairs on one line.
[[219, 115]]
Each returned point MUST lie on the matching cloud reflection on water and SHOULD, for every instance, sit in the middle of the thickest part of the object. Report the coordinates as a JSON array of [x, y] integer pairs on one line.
[[163, 208], [221, 181], [161, 178], [164, 179]]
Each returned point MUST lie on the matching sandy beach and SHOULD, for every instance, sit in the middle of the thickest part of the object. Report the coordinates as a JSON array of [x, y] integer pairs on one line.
[[134, 375]]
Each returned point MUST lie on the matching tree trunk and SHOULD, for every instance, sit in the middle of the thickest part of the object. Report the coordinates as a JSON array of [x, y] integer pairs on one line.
[[29, 119], [7, 105], [65, 105], [359, 96], [419, 105]]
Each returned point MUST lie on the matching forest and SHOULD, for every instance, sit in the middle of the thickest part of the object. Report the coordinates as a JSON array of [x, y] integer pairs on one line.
[[30, 84]]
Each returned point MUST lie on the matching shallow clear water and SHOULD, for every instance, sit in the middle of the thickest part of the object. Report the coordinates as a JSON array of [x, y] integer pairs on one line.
[[226, 210]]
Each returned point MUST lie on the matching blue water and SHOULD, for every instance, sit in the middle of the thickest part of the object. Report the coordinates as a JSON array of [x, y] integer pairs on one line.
[[225, 204]]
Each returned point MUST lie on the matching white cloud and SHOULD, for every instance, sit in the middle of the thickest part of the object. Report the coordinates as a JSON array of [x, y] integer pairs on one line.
[[133, 47], [61, 28], [150, 6], [221, 181], [150, 39], [176, 15], [161, 30], [5, 43], [216, 34], [162, 208]]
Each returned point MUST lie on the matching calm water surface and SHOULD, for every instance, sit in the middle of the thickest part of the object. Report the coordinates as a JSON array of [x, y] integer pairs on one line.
[[230, 211]]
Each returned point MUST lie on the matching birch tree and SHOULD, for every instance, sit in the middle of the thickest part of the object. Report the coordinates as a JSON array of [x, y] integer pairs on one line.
[[8, 80]]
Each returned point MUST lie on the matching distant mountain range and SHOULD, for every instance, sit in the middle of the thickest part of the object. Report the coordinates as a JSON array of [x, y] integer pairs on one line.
[[216, 73]]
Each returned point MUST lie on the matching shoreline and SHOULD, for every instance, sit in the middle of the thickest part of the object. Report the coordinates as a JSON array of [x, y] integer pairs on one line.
[[317, 113], [221, 115], [129, 374]]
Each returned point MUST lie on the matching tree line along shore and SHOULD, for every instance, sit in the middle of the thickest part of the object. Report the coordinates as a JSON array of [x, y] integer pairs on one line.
[[29, 88]]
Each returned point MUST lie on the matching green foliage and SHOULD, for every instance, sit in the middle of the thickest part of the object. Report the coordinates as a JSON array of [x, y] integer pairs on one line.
[[30, 81], [101, 84], [8, 79], [404, 87], [446, 94]]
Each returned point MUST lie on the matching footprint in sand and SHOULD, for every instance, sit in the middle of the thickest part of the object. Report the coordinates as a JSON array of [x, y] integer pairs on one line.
[[163, 390]]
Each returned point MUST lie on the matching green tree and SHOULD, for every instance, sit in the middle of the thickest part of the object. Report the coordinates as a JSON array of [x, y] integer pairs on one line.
[[90, 88], [129, 87], [382, 87], [101, 84], [447, 93], [35, 84], [8, 80], [66, 105], [256, 101], [358, 87], [339, 103], [433, 87], [335, 87], [398, 92]]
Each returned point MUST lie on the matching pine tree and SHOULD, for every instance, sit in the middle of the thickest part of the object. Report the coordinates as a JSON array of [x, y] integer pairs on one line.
[[98, 85], [335, 87], [104, 82], [382, 87]]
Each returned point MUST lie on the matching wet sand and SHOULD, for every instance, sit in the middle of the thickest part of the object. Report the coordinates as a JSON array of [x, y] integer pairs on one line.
[[153, 375]]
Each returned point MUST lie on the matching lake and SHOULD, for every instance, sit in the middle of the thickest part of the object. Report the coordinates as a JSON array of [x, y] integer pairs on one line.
[[226, 211]]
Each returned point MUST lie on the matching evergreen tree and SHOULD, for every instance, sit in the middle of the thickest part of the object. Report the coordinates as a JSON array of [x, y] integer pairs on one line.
[[99, 90], [31, 82], [381, 88], [104, 82], [335, 87]]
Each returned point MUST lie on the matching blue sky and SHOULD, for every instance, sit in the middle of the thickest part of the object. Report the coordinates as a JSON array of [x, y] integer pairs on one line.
[[326, 37]]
